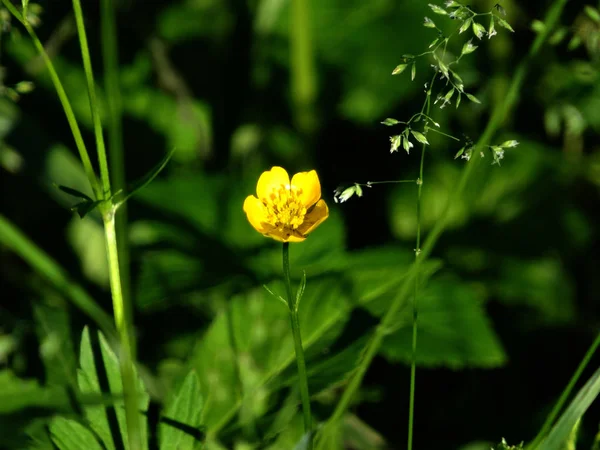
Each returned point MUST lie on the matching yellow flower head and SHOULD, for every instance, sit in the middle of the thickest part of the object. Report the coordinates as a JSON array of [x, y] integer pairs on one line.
[[286, 211]]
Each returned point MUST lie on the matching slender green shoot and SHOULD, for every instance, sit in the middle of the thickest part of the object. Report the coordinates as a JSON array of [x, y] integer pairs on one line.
[[496, 120], [94, 106], [413, 364], [64, 100], [565, 395]]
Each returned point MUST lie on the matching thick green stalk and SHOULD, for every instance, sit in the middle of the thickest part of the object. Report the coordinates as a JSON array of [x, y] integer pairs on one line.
[[126, 360], [42, 263], [64, 100], [498, 116], [301, 362], [116, 155], [121, 308], [94, 106]]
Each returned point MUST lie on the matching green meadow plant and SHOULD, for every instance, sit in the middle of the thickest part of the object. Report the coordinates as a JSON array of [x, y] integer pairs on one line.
[[108, 404]]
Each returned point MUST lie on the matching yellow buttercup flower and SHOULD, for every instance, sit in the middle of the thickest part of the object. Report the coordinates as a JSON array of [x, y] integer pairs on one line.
[[286, 211]]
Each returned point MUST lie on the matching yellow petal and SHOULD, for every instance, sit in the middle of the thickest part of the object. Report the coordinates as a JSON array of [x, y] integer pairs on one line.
[[310, 187], [314, 218], [284, 235], [270, 179], [256, 213]]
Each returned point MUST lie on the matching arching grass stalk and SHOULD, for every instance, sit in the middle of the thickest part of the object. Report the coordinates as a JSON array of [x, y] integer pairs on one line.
[[293, 307], [103, 193], [498, 116], [121, 306], [62, 96]]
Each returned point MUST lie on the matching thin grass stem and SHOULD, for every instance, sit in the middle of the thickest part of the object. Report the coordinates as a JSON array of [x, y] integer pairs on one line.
[[94, 105], [64, 100], [500, 113]]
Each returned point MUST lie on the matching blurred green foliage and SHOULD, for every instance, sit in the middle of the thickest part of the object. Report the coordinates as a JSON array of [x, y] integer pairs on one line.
[[519, 265]]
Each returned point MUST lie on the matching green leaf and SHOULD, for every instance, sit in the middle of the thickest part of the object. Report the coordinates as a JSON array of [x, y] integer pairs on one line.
[[115, 384], [413, 72], [504, 24], [574, 43], [438, 10], [390, 121], [454, 330], [509, 144], [460, 152], [472, 98], [478, 30], [592, 13], [562, 429], [260, 330], [179, 427], [67, 434], [428, 23], [85, 207], [56, 349], [465, 26], [443, 68], [87, 378], [399, 69], [359, 190], [396, 142], [73, 192], [468, 48], [147, 179], [300, 291], [420, 137], [17, 394]]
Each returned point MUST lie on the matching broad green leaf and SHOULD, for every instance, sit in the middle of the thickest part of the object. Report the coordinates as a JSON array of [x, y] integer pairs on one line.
[[185, 408], [454, 329], [67, 434], [17, 394], [26, 408], [56, 349], [542, 284], [115, 383], [87, 378], [562, 429], [259, 328]]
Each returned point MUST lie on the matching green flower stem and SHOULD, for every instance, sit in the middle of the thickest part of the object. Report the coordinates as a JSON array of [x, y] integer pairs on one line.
[[302, 376], [126, 360], [498, 116], [48, 268], [62, 96], [94, 106]]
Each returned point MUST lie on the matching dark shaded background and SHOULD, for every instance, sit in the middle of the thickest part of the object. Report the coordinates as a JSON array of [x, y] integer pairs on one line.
[[218, 78]]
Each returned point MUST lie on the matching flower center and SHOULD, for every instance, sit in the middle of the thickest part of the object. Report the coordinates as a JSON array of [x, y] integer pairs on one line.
[[284, 208]]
